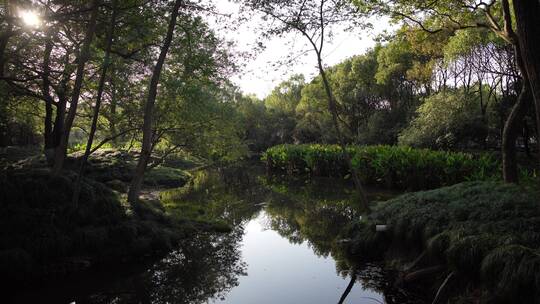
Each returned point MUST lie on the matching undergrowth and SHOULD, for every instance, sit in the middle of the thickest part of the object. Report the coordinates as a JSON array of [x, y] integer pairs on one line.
[[397, 167], [43, 234], [488, 231]]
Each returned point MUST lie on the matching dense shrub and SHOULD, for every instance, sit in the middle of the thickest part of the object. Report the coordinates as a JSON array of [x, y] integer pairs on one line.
[[391, 166], [488, 231]]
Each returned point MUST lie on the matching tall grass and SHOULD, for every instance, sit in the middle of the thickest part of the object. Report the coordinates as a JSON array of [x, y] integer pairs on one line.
[[398, 167]]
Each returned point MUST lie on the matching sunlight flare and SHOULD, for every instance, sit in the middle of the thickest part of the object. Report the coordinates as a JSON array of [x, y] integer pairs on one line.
[[30, 18]]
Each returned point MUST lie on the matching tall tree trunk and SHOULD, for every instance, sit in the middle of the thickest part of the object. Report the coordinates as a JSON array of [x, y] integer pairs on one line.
[[335, 119], [61, 150], [510, 134], [101, 86], [4, 38], [349, 287], [46, 92], [528, 28], [513, 124], [146, 149]]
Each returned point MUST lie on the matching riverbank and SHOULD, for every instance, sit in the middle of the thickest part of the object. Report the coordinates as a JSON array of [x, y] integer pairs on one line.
[[474, 240], [469, 242], [287, 230], [44, 236]]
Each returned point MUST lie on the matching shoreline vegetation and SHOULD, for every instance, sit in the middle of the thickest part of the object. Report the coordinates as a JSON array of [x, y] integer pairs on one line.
[[45, 236], [129, 127], [471, 238], [471, 226], [393, 167]]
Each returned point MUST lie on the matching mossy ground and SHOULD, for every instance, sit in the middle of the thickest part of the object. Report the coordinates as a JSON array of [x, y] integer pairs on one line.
[[42, 234], [488, 232], [115, 167]]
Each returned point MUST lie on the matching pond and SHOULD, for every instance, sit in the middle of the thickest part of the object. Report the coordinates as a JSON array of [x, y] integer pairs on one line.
[[285, 247]]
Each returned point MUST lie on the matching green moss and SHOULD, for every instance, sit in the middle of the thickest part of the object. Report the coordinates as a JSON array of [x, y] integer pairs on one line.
[[166, 176], [116, 168], [487, 230]]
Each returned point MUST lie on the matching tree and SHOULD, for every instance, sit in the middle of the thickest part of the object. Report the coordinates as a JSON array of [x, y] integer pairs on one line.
[[83, 57], [314, 20], [100, 90], [528, 29], [494, 16], [146, 148], [286, 96]]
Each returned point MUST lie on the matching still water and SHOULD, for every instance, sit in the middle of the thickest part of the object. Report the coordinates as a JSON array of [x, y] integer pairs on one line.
[[285, 247], [279, 271]]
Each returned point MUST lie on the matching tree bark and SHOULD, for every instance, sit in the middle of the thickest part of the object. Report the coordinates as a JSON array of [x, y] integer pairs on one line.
[[514, 122], [528, 29], [510, 134], [146, 149], [46, 92], [101, 86], [61, 150]]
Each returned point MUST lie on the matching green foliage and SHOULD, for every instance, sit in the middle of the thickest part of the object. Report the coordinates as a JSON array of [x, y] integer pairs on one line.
[[391, 166], [265, 125], [449, 119], [486, 230], [286, 95], [224, 196]]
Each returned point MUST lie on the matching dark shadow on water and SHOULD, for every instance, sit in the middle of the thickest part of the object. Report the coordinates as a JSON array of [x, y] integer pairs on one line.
[[205, 267]]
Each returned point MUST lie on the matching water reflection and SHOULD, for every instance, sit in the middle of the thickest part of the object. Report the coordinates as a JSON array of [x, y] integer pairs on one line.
[[281, 272], [205, 267], [284, 248]]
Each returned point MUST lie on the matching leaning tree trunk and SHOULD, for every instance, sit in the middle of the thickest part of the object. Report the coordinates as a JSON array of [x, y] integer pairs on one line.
[[528, 27], [146, 149], [61, 150], [101, 86], [335, 119]]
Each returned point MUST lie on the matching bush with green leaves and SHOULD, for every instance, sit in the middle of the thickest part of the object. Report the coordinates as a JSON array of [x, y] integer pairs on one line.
[[398, 167]]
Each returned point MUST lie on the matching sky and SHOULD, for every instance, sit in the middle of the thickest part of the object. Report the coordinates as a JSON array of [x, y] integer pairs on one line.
[[263, 71]]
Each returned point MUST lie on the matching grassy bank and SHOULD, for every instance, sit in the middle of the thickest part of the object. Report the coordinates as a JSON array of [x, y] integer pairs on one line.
[[485, 232], [116, 168], [43, 235], [396, 167]]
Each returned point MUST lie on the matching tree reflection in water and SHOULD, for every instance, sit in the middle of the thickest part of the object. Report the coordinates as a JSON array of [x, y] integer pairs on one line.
[[204, 268], [320, 214], [208, 265]]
